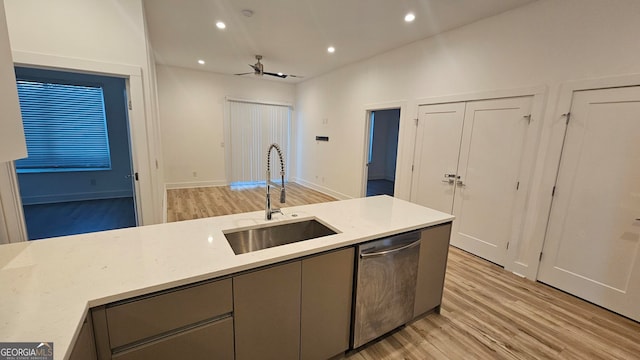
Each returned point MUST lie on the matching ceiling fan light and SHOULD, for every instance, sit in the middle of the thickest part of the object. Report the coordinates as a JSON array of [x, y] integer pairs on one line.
[[280, 74]]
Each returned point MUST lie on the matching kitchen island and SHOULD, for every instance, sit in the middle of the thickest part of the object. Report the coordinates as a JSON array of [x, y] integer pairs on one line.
[[48, 286]]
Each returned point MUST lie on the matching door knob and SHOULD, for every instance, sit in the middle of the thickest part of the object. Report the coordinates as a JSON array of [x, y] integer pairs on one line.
[[449, 178], [460, 183]]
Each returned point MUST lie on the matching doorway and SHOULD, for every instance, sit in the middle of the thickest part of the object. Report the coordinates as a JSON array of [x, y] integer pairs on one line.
[[382, 153], [78, 176]]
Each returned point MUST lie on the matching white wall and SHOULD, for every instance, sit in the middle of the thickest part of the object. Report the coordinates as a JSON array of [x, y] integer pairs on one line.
[[544, 43], [100, 35], [12, 145], [192, 110]]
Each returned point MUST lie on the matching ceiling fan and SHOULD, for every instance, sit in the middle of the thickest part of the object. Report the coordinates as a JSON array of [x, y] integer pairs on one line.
[[258, 69]]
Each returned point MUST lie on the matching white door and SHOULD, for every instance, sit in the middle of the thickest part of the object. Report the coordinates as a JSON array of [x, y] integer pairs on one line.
[[592, 248], [493, 140], [436, 155]]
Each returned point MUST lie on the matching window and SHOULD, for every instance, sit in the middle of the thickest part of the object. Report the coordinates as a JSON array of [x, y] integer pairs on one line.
[[65, 127], [253, 128]]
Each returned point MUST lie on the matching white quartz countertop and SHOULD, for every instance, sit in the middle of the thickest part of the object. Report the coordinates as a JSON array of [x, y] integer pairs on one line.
[[46, 286]]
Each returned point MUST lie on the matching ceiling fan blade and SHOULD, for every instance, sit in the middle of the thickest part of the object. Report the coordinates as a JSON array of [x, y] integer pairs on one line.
[[247, 73], [297, 76], [283, 76]]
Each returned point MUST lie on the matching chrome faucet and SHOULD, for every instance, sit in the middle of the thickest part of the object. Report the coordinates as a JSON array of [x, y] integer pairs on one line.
[[268, 211]]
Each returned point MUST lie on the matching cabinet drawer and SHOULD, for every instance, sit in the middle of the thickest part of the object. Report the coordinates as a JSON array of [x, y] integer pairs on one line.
[[149, 316], [210, 341]]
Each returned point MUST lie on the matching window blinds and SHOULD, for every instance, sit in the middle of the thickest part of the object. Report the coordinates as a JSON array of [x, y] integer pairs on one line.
[[253, 128], [65, 127]]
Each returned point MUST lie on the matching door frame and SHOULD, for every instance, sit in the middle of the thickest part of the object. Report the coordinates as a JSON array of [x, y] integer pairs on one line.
[[521, 259], [140, 153], [402, 135], [551, 165]]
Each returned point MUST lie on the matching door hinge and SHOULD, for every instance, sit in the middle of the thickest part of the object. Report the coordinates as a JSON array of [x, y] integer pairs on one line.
[[412, 167], [518, 185], [130, 105], [540, 258], [157, 166], [553, 192], [507, 245], [528, 117], [416, 122], [135, 176], [568, 116]]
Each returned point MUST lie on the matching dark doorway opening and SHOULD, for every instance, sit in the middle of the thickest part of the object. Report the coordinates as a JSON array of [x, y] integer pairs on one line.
[[77, 177], [383, 152]]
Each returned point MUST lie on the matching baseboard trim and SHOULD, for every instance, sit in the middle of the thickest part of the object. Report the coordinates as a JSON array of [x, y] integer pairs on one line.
[[194, 184], [322, 189], [58, 198]]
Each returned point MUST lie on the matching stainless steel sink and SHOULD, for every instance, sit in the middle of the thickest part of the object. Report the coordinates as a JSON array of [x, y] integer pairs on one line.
[[245, 241]]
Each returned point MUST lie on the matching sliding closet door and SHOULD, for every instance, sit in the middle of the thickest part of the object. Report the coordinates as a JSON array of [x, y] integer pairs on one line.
[[592, 248], [436, 155], [493, 141]]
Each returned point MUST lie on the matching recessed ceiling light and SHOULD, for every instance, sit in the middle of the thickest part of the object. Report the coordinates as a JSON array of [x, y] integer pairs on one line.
[[331, 49], [201, 62], [221, 25], [409, 17]]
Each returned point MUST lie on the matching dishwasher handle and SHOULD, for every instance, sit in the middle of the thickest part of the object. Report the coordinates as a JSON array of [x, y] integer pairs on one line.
[[385, 252]]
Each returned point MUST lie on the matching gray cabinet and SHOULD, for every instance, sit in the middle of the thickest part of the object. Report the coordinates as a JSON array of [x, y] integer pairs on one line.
[[85, 347], [434, 249], [327, 284], [195, 320], [299, 310], [211, 341], [267, 313]]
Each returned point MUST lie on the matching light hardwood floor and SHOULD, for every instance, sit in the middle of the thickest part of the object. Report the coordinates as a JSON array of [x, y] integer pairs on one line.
[[487, 312], [195, 203]]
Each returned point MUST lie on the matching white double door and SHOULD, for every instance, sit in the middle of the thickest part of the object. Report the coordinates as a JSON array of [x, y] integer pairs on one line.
[[467, 162], [592, 247]]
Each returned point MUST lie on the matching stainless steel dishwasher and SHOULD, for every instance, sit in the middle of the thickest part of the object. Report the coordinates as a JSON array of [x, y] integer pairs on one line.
[[385, 285]]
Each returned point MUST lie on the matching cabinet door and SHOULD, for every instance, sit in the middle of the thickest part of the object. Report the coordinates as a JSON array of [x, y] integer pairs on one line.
[[85, 347], [434, 249], [210, 341], [267, 313], [327, 283], [150, 316]]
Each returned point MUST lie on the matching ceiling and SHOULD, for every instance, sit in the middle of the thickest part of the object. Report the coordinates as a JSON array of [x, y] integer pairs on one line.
[[293, 35]]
